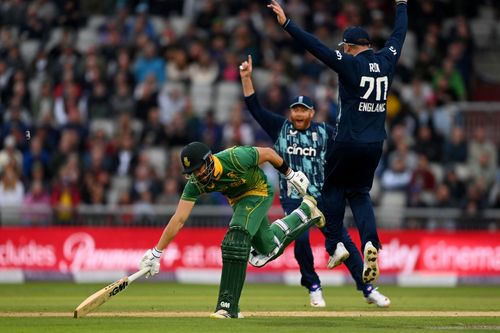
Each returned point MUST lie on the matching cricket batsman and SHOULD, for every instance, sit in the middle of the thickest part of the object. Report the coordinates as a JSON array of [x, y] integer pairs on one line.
[[235, 173], [365, 77]]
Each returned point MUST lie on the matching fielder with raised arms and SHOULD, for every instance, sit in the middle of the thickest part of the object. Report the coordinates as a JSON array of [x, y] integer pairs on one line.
[[304, 144], [236, 174], [365, 77]]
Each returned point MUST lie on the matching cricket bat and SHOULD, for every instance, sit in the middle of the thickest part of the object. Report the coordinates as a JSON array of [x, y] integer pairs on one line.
[[98, 298]]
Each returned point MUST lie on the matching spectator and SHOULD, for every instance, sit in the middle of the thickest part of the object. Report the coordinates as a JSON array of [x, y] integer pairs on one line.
[[36, 205], [204, 71], [171, 100], [144, 181], [422, 184], [126, 155], [16, 119], [153, 133], [122, 100], [482, 156], [443, 197], [170, 194], [33, 27], [36, 154], [448, 80], [146, 96], [177, 133], [475, 201], [455, 148], [65, 194], [70, 16], [149, 64], [455, 185], [98, 102], [141, 25], [397, 177], [177, 68], [429, 144], [404, 153], [10, 155], [237, 132], [11, 195], [43, 105], [212, 133]]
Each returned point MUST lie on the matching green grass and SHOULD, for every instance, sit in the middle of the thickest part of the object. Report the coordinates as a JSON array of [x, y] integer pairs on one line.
[[165, 297]]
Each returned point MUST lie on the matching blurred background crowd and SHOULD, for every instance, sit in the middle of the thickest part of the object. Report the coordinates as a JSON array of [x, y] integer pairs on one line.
[[110, 90]]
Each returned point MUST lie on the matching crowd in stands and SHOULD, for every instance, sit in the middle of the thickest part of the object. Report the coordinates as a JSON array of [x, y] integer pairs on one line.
[[108, 97]]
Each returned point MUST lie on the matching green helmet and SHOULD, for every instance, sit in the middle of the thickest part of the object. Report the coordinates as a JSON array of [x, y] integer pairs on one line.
[[193, 157]]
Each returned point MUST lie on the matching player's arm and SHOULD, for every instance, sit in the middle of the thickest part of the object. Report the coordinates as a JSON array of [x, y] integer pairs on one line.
[[394, 44], [269, 121], [175, 224], [333, 59], [296, 178], [151, 258]]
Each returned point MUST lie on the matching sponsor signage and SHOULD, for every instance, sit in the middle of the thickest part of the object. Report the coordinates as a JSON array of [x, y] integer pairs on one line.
[[71, 250]]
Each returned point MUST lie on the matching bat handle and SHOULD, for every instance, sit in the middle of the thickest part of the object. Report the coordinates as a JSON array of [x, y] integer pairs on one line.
[[137, 275]]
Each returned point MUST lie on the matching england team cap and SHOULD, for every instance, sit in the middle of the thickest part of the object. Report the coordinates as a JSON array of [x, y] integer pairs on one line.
[[356, 36], [302, 100]]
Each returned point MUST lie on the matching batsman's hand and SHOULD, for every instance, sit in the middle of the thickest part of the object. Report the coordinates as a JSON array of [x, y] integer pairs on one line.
[[151, 261], [280, 13], [299, 181], [246, 68]]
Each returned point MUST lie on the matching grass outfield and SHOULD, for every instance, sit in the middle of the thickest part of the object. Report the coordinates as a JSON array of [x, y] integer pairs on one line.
[[168, 307]]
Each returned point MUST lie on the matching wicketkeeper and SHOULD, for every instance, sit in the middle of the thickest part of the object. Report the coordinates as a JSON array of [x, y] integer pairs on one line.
[[236, 174]]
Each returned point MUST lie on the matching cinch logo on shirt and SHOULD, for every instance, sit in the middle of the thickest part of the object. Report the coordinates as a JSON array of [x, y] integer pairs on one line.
[[307, 151]]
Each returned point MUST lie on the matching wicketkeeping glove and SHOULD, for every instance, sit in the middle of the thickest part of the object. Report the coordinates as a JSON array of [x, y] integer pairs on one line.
[[299, 181], [151, 260]]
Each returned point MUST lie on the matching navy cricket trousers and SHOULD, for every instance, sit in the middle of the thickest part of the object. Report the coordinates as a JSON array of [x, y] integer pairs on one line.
[[350, 170], [304, 256]]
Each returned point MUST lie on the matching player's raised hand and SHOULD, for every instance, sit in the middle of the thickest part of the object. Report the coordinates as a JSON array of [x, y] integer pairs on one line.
[[280, 13], [246, 68]]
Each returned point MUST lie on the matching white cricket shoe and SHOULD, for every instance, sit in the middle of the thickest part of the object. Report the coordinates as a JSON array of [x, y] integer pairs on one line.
[[375, 297], [316, 298], [370, 265], [223, 314], [339, 256], [315, 212]]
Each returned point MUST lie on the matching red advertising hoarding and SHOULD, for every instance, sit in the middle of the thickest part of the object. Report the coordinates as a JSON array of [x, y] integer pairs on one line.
[[90, 249]]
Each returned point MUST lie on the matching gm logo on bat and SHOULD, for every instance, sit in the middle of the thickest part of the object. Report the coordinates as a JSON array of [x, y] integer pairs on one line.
[[118, 288]]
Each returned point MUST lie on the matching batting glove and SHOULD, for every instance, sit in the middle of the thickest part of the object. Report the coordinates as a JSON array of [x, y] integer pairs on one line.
[[299, 181], [151, 260]]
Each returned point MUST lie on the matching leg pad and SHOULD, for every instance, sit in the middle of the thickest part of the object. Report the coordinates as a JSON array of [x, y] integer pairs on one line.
[[235, 251]]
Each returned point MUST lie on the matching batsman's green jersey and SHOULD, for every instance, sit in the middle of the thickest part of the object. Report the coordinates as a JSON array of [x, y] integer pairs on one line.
[[236, 175]]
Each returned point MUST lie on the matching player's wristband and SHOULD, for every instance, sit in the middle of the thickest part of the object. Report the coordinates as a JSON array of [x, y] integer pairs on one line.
[[286, 22], [283, 168], [156, 253], [401, 1]]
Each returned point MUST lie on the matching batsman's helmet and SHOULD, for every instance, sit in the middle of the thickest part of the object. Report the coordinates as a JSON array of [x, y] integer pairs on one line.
[[193, 156]]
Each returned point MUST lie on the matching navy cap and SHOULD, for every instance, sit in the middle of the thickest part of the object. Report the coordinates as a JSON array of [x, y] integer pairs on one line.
[[356, 36], [302, 100]]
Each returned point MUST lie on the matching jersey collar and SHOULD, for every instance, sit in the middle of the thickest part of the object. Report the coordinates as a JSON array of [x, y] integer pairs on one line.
[[217, 167], [364, 52]]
